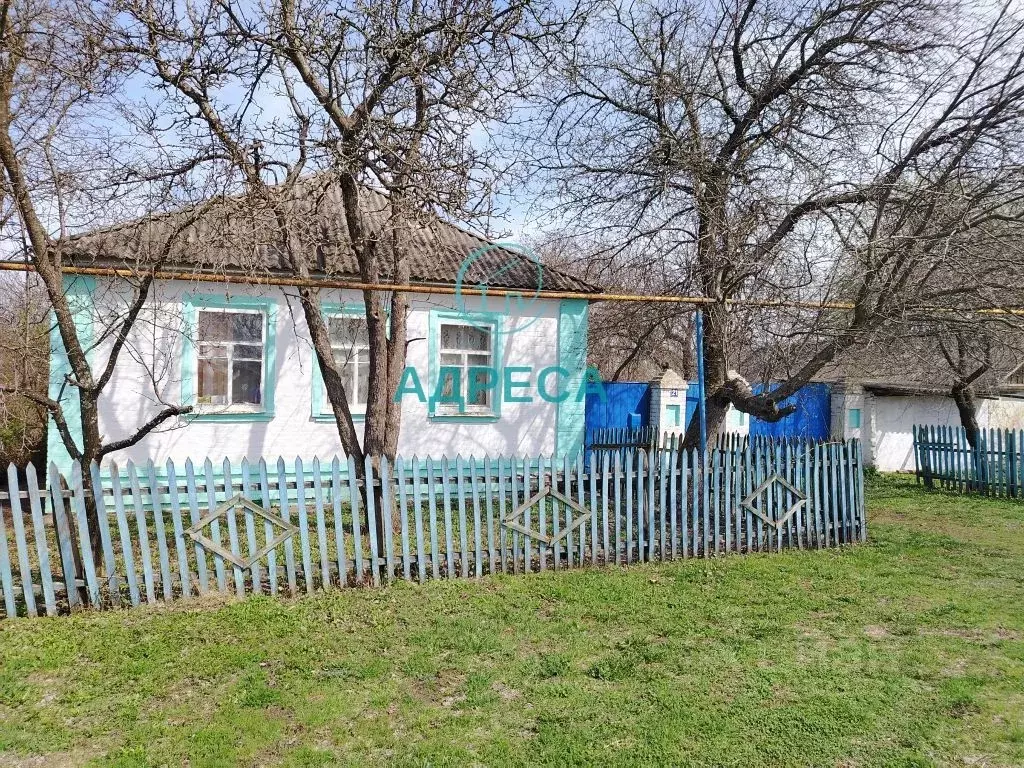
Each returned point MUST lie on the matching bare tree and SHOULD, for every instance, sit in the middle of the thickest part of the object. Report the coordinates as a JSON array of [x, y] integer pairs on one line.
[[980, 358], [825, 151], [628, 340], [24, 368], [67, 166]]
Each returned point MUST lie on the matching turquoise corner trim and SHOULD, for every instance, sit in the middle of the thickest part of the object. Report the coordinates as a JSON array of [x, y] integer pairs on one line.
[[317, 409], [80, 291], [570, 423], [189, 357], [437, 317]]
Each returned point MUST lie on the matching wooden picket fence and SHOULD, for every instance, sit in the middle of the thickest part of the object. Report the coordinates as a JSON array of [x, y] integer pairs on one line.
[[994, 466], [286, 528], [611, 438]]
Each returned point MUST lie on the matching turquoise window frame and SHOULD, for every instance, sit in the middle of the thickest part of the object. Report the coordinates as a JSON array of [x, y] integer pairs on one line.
[[317, 399], [441, 316], [190, 354], [853, 418]]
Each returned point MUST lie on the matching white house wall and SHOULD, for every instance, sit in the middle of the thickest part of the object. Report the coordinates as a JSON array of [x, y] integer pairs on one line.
[[888, 422], [893, 420], [149, 373]]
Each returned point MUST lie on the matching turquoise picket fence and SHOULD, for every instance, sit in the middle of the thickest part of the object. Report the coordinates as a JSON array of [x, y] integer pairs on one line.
[[171, 532], [993, 466]]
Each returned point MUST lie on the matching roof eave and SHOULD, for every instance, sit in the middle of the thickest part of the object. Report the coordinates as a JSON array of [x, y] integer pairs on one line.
[[111, 267]]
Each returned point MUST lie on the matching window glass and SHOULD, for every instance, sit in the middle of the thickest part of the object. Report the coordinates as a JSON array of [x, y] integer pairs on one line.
[[350, 342], [230, 365], [854, 418], [467, 349]]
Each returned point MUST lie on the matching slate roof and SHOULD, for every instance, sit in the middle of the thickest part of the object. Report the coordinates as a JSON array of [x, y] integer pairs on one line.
[[913, 365], [236, 236]]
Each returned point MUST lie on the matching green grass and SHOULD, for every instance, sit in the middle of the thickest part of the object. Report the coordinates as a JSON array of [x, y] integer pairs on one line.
[[908, 651]]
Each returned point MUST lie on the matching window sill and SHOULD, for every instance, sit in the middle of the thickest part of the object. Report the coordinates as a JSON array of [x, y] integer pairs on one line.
[[230, 416], [465, 418], [328, 418]]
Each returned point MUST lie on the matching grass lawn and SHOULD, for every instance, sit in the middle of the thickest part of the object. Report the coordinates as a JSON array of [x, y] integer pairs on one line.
[[906, 651]]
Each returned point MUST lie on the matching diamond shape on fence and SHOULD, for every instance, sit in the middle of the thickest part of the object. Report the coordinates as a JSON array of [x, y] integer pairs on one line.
[[238, 500], [512, 520], [777, 522]]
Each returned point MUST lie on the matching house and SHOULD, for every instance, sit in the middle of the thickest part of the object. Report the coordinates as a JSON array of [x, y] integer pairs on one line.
[[883, 414], [223, 332], [881, 396]]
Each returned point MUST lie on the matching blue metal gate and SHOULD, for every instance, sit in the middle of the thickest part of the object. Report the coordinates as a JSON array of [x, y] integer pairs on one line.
[[811, 421], [627, 404]]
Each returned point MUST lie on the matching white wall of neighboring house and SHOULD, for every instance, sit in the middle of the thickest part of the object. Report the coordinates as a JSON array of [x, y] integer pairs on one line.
[[892, 423], [149, 374], [887, 421]]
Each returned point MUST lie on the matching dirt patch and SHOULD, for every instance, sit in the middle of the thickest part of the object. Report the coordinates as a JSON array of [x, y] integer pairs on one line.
[[876, 632], [49, 687], [441, 689], [956, 669], [52, 760], [506, 693], [977, 635]]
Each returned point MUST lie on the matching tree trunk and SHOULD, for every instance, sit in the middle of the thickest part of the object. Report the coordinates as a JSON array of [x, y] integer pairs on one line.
[[716, 401], [374, 428], [92, 517], [91, 442], [967, 404]]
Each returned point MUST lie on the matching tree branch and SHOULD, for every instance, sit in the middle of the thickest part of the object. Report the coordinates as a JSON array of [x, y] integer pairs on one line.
[[145, 429]]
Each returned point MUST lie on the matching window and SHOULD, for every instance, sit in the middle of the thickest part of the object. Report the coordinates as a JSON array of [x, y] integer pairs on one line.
[[464, 357], [230, 363], [672, 413], [736, 417], [854, 418], [466, 363], [350, 342]]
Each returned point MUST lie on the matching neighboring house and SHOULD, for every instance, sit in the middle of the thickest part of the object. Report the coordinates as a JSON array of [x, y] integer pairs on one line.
[[239, 352], [883, 414], [880, 413]]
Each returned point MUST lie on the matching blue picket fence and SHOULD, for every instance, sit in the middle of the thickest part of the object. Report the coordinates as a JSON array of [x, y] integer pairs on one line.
[[994, 466], [293, 527]]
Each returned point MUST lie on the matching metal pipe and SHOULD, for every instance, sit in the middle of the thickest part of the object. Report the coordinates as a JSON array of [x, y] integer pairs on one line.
[[702, 414], [449, 290], [328, 282]]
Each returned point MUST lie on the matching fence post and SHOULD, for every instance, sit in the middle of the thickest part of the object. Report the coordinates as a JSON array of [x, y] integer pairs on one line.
[[916, 454], [64, 538], [926, 456], [1011, 452]]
